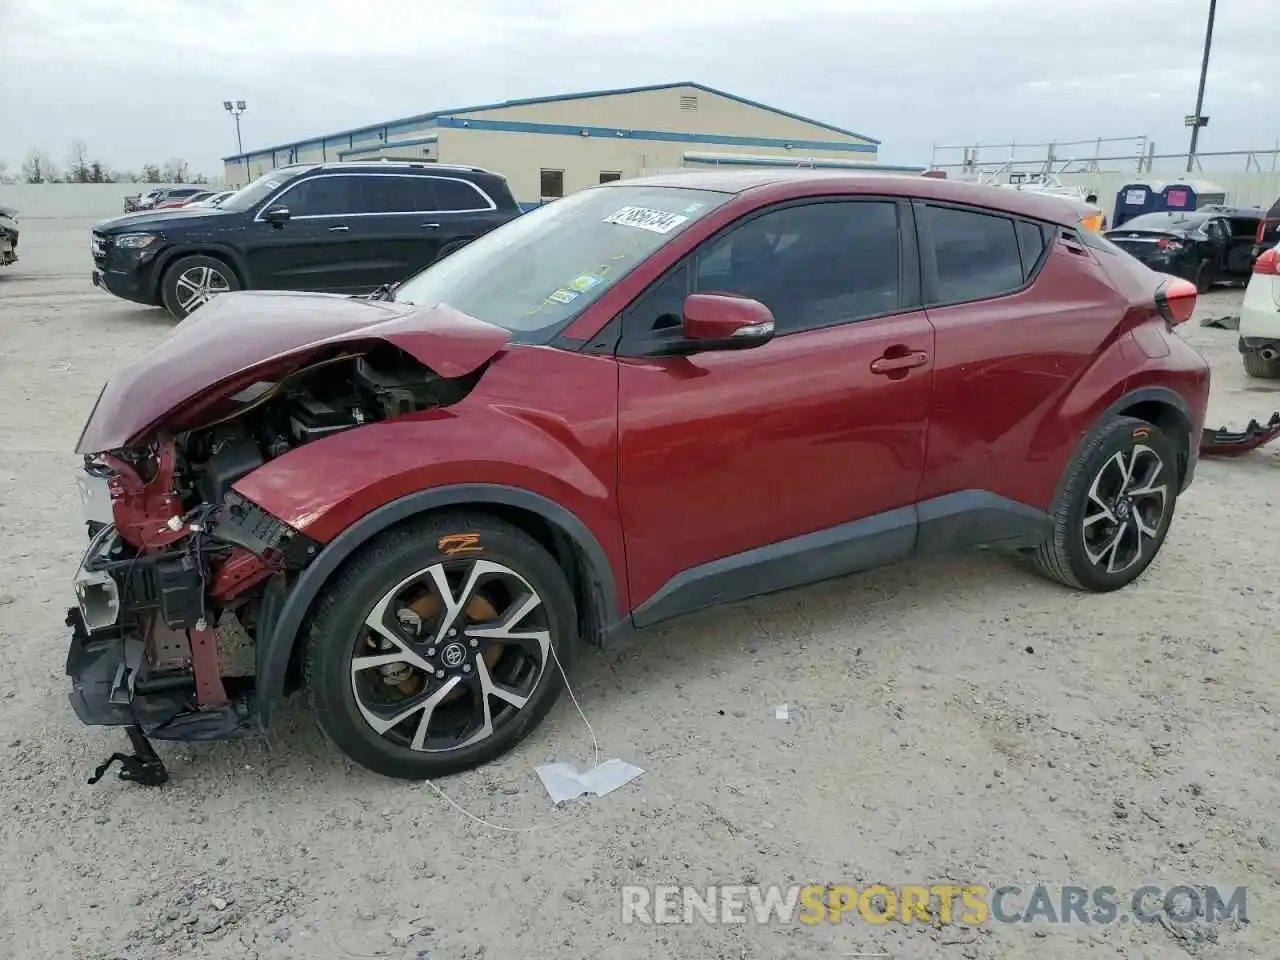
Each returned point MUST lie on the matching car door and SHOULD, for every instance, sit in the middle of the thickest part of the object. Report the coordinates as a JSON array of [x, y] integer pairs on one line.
[[1020, 310], [315, 248], [415, 217], [742, 472], [1218, 234]]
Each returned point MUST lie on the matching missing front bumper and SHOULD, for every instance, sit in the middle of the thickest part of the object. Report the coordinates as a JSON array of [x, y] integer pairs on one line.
[[110, 687]]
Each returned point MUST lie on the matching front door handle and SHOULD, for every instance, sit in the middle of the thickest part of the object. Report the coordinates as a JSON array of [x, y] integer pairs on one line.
[[431, 226], [899, 364], [339, 229]]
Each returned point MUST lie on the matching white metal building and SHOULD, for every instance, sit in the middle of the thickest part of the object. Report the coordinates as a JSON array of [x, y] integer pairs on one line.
[[548, 147]]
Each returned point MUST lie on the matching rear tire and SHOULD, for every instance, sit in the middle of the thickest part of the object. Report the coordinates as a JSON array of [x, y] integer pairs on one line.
[[1204, 277], [1261, 368], [463, 692], [190, 282], [1114, 510]]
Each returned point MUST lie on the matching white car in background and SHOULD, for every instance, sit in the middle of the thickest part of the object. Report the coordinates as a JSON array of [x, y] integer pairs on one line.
[[1260, 317]]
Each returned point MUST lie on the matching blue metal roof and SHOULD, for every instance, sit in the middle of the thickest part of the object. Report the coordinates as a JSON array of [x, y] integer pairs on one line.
[[530, 101]]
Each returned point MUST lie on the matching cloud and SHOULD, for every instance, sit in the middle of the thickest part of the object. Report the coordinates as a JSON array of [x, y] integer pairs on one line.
[[145, 80]]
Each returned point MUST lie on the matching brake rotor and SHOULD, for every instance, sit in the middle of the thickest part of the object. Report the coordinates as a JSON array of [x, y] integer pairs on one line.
[[478, 610]]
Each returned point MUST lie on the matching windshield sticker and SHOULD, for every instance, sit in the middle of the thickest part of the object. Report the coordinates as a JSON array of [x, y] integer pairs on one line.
[[694, 207], [655, 221], [584, 283], [563, 296]]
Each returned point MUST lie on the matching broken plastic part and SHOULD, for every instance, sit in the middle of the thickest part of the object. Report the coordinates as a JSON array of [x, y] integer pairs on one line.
[[143, 766], [1226, 443]]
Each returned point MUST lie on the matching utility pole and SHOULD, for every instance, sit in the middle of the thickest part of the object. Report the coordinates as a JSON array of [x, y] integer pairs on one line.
[[1197, 120], [238, 107]]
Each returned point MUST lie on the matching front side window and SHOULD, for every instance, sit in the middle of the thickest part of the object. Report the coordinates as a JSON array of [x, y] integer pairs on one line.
[[535, 274], [320, 197], [813, 265], [977, 254]]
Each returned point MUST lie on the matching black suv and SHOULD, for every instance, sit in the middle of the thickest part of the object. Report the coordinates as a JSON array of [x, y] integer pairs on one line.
[[336, 228]]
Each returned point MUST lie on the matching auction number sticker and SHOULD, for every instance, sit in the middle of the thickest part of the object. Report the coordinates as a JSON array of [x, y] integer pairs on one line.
[[655, 221]]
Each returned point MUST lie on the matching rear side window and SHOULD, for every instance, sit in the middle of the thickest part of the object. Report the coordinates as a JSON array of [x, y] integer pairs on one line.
[[977, 255], [1031, 244], [457, 195], [396, 194]]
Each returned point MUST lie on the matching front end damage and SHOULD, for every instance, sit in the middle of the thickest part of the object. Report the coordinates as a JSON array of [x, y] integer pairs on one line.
[[183, 577]]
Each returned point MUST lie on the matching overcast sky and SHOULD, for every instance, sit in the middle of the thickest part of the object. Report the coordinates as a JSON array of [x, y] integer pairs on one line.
[[144, 80]]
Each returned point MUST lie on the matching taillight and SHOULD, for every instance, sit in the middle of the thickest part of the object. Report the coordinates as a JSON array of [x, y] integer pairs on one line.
[[1268, 263], [1176, 300], [1166, 244]]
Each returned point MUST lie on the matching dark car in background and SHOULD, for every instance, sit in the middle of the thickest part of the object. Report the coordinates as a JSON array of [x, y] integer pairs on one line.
[[1203, 246], [345, 228]]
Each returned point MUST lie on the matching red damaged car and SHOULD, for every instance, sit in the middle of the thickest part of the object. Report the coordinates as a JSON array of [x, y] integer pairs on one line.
[[642, 400]]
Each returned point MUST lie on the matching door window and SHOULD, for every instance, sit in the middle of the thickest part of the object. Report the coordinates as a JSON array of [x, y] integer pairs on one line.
[[458, 195], [812, 265], [382, 194], [977, 254], [320, 197]]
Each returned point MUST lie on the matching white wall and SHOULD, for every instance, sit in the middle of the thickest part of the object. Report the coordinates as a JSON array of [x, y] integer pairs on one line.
[[41, 201]]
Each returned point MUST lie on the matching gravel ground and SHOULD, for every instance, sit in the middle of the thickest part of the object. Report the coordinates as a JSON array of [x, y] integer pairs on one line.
[[956, 721]]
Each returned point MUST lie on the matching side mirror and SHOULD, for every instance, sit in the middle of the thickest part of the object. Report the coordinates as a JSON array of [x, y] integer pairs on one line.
[[276, 216], [718, 321]]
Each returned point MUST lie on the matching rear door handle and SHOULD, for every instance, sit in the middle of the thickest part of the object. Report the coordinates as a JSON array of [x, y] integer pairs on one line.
[[431, 226], [909, 361], [339, 229]]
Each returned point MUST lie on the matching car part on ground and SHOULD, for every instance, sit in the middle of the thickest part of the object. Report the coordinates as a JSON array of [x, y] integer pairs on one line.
[[8, 236], [417, 504], [339, 228], [1234, 443]]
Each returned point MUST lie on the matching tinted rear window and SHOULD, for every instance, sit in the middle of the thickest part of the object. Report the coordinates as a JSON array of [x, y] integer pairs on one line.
[[977, 255]]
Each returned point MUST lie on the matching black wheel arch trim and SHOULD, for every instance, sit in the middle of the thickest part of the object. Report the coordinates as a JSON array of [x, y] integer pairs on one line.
[[281, 631], [217, 251], [1165, 396]]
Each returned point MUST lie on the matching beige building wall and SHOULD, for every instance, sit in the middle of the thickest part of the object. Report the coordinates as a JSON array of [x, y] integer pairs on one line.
[[669, 110], [521, 157]]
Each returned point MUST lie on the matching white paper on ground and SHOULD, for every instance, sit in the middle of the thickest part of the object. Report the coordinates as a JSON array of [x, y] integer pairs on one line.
[[782, 712], [564, 782]]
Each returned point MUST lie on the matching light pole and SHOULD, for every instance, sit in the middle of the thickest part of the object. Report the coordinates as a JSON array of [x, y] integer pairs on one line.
[[1197, 120], [235, 109]]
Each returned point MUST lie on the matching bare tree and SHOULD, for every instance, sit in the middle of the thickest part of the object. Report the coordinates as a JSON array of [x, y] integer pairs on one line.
[[175, 171], [38, 168], [78, 162], [151, 173]]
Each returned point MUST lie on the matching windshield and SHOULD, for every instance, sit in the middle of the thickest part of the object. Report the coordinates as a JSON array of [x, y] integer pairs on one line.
[[535, 274], [248, 197]]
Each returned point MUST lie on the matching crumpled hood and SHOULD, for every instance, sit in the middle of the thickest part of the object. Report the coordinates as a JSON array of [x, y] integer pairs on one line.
[[239, 338]]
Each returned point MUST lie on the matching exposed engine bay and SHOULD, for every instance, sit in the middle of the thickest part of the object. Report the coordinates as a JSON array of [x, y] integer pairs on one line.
[[178, 562]]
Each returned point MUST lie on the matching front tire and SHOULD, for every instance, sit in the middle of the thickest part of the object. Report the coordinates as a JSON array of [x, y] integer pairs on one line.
[[440, 647], [190, 282], [1114, 510]]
